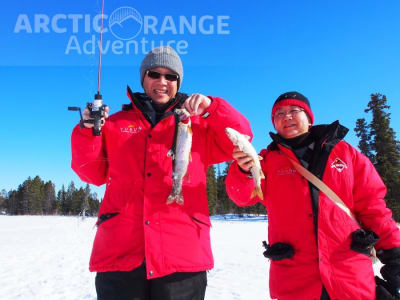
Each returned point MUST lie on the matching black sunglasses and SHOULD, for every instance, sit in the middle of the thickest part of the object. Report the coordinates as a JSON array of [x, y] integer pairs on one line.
[[157, 75]]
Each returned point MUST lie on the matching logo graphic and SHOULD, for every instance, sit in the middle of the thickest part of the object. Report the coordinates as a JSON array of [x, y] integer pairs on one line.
[[282, 172], [131, 32], [339, 164], [125, 23], [131, 129]]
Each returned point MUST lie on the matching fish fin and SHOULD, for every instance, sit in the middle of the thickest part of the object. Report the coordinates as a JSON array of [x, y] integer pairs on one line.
[[190, 156], [253, 193], [190, 130], [170, 153], [170, 199], [179, 199], [260, 157], [262, 176], [247, 137], [257, 192]]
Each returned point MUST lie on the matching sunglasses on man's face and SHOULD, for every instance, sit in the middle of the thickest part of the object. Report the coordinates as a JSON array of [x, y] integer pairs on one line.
[[157, 75]]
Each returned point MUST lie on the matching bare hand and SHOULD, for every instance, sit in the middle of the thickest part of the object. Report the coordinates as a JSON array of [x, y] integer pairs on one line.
[[244, 161], [196, 104], [86, 116]]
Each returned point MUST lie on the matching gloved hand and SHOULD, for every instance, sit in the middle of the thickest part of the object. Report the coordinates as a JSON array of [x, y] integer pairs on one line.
[[389, 288], [363, 241], [382, 290], [278, 251]]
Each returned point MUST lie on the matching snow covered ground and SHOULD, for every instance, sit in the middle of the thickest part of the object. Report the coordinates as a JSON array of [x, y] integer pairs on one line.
[[47, 258]]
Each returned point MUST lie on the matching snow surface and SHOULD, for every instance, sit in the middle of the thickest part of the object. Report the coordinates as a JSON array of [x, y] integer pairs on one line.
[[47, 258]]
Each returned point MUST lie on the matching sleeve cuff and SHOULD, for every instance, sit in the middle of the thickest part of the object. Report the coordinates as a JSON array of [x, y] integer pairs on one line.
[[241, 172], [209, 111]]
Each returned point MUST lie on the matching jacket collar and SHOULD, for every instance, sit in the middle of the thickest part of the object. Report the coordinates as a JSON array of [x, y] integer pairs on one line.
[[324, 134], [143, 103]]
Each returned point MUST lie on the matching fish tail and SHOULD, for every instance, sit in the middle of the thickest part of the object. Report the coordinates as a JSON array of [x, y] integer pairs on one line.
[[170, 199], [175, 197], [179, 199], [257, 192]]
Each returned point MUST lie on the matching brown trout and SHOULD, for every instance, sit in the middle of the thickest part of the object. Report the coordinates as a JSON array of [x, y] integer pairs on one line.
[[180, 155]]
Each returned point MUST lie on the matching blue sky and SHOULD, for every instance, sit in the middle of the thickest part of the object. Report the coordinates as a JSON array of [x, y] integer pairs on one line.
[[336, 53]]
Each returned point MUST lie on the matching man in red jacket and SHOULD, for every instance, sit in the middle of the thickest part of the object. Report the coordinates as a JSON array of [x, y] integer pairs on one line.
[[316, 250], [144, 248]]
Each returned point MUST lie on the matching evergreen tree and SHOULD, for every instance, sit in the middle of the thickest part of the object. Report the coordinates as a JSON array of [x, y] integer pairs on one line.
[[61, 198], [3, 201], [35, 195], [23, 197], [94, 204], [212, 192], [13, 203], [69, 199], [77, 201], [363, 133], [378, 142], [49, 198], [225, 205]]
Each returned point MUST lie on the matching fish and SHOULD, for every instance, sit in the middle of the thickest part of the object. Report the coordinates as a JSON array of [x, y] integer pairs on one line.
[[243, 142], [180, 154]]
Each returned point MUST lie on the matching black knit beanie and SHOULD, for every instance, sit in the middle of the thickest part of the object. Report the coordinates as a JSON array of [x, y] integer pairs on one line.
[[293, 98]]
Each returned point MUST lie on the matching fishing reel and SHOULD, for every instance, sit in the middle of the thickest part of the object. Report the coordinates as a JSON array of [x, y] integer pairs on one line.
[[97, 109], [96, 112]]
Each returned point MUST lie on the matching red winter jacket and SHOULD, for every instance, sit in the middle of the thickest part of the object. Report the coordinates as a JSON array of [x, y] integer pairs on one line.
[[130, 157], [322, 254]]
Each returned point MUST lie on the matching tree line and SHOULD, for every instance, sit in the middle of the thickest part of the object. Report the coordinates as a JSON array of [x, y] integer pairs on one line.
[[377, 141], [36, 197]]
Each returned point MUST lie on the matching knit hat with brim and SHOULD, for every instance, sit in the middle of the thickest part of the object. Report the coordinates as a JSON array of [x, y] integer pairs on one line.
[[162, 57], [293, 98]]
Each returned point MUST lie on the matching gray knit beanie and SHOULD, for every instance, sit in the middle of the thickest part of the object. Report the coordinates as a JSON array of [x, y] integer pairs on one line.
[[162, 57]]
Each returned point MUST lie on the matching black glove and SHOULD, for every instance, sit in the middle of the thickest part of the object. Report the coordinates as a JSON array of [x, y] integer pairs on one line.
[[363, 241], [389, 288], [278, 251], [382, 290]]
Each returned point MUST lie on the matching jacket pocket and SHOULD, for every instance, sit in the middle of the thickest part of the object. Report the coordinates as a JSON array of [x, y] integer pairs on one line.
[[105, 217], [202, 220]]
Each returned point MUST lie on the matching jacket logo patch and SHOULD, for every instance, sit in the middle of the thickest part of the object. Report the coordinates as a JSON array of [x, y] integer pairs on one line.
[[282, 172], [131, 129], [338, 164]]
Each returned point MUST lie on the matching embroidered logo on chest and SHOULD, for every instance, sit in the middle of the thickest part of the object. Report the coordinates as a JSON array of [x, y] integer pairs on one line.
[[282, 172], [131, 129], [338, 164]]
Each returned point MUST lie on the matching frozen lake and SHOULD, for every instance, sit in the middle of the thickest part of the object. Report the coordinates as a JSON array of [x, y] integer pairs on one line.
[[47, 258]]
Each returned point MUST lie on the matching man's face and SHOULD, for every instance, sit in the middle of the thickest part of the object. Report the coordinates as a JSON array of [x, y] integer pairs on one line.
[[291, 121], [160, 89]]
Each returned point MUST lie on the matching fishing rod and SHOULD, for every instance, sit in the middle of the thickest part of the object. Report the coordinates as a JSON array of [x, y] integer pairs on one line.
[[96, 108]]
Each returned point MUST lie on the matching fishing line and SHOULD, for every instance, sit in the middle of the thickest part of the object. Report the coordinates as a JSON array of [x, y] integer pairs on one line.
[[100, 47]]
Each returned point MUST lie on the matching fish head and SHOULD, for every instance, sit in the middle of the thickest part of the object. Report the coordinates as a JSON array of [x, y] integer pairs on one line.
[[183, 114], [233, 135]]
